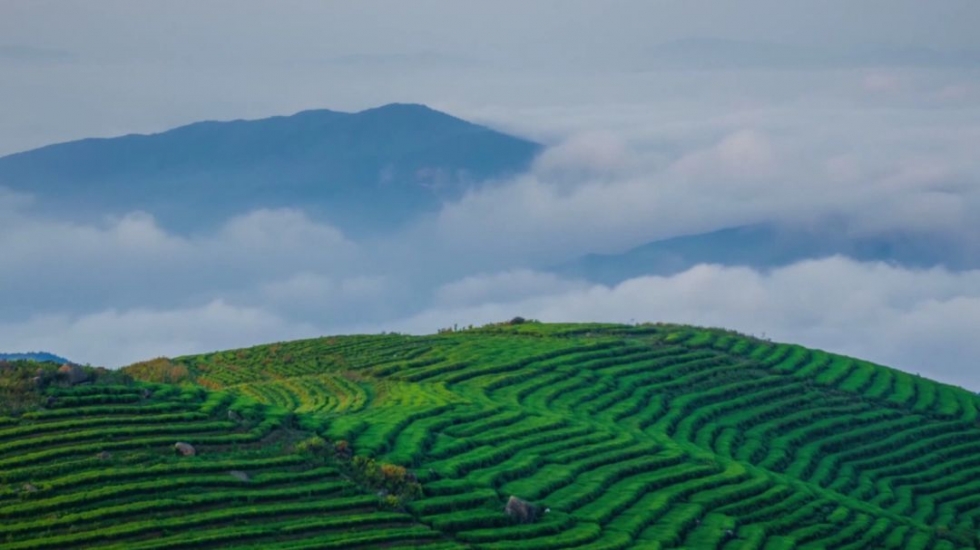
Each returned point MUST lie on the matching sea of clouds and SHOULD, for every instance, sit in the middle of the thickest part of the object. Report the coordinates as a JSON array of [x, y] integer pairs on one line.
[[869, 149]]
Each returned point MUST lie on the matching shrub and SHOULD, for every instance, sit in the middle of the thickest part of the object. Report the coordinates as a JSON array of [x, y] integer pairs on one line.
[[388, 480], [316, 446], [160, 370]]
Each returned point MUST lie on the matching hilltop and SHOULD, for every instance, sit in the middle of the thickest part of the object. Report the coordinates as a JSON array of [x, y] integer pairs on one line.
[[651, 436], [365, 171], [39, 356]]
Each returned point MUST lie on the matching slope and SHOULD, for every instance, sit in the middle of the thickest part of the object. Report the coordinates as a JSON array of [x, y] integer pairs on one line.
[[650, 436], [384, 165], [96, 467]]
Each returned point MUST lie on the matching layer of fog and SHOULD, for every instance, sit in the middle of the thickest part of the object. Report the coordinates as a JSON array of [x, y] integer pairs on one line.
[[869, 150]]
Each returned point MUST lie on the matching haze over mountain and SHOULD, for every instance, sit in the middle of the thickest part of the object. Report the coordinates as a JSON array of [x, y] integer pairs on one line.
[[366, 171], [770, 245], [744, 145]]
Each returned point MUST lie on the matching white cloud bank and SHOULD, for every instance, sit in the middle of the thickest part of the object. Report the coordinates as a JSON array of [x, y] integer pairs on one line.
[[118, 338], [668, 154], [917, 320], [642, 171], [921, 321]]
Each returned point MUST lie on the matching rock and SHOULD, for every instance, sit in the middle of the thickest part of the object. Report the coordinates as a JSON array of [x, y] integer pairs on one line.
[[73, 374], [184, 449], [521, 510], [239, 475], [104, 455]]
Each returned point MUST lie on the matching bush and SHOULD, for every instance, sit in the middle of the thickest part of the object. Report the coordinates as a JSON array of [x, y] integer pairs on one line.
[[315, 446], [21, 383], [388, 480], [160, 370]]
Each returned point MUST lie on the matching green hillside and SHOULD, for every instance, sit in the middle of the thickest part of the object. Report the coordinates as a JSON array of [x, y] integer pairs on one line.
[[652, 436]]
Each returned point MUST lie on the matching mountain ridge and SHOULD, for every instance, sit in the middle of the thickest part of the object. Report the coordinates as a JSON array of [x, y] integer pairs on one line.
[[767, 246], [369, 171]]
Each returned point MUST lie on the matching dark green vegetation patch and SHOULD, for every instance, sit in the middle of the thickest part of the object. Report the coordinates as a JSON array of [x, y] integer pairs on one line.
[[618, 437]]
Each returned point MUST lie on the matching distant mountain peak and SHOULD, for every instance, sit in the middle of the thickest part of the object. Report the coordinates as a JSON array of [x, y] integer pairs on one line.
[[408, 107], [365, 172], [413, 112]]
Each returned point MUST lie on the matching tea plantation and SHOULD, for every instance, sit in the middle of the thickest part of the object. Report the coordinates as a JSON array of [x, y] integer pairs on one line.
[[650, 436]]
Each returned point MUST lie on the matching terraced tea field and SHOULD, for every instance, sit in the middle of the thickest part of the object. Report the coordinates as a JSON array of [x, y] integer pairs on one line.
[[97, 469], [654, 436]]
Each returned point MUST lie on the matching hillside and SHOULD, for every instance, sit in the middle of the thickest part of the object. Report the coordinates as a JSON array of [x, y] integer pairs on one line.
[[651, 436], [364, 171]]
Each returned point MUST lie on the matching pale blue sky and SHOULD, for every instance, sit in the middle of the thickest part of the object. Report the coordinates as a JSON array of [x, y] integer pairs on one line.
[[70, 69]]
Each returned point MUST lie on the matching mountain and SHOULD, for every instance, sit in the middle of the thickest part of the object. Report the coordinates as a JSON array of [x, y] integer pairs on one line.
[[598, 436], [765, 246], [366, 171], [39, 356]]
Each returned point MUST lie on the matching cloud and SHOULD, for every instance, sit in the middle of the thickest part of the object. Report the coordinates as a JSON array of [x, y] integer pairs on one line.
[[921, 321], [585, 156], [745, 155], [508, 285], [325, 299], [634, 157], [918, 320], [816, 162], [10, 203], [53, 265], [116, 337], [278, 231]]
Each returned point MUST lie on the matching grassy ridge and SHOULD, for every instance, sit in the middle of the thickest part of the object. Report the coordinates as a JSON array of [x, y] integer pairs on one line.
[[653, 436]]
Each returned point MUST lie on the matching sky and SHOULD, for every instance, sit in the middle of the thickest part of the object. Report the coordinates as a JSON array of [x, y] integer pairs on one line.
[[661, 118], [78, 68]]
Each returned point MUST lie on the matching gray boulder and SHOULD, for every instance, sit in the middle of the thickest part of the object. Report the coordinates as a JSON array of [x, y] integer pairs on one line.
[[521, 510], [184, 449]]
